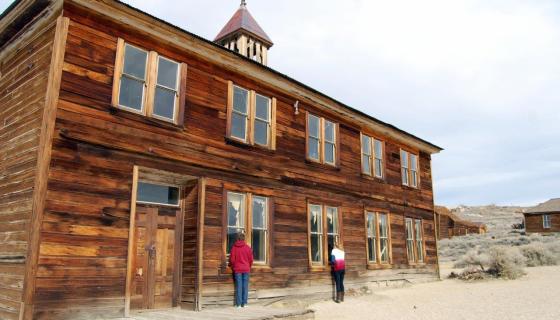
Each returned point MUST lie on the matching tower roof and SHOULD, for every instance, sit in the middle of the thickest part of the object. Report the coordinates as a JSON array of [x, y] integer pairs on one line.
[[242, 20]]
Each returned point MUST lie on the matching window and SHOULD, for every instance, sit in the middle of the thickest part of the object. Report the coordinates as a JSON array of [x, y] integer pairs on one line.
[[324, 232], [414, 240], [251, 117], [157, 194], [546, 221], [372, 156], [409, 169], [249, 214], [378, 238], [322, 140], [147, 83]]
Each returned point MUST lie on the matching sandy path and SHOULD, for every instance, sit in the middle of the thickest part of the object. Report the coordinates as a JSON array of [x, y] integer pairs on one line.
[[535, 296]]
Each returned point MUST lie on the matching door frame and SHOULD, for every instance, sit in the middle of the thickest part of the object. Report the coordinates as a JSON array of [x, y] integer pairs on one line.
[[140, 174]]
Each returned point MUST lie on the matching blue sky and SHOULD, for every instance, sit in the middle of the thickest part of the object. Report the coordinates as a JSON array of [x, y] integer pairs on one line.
[[479, 78]]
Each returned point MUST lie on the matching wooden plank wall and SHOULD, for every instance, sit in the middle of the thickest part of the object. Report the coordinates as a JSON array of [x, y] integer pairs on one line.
[[188, 294], [83, 252], [23, 82], [534, 223]]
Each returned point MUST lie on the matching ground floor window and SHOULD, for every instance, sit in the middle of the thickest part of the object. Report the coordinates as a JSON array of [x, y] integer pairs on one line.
[[248, 213], [324, 232], [546, 221], [414, 240], [378, 237]]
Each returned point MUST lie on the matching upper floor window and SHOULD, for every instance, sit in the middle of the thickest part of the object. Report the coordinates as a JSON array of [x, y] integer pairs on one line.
[[324, 232], [251, 117], [249, 214], [378, 237], [409, 169], [322, 140], [414, 240], [147, 83], [372, 156], [546, 221]]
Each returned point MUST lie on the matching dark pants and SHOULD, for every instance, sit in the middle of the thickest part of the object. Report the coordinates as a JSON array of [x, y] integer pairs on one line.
[[241, 288], [339, 280]]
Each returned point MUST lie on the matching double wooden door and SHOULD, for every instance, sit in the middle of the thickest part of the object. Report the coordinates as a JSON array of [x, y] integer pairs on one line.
[[157, 263]]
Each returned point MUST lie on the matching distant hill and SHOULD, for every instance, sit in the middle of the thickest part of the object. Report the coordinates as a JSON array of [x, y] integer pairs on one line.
[[498, 219]]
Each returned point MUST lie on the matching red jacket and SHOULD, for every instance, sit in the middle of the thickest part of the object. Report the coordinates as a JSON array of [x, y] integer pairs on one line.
[[241, 257]]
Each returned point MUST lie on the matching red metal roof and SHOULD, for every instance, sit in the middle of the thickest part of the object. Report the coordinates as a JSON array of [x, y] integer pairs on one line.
[[243, 20]]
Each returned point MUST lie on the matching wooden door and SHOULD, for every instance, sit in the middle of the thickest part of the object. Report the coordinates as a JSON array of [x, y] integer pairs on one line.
[[156, 267]]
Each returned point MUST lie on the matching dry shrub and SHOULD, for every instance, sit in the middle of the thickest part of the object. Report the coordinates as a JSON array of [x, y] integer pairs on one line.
[[473, 258], [506, 262], [539, 254], [469, 274]]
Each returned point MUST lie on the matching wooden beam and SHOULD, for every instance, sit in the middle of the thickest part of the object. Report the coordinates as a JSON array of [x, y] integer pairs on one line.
[[43, 163], [200, 243], [131, 240]]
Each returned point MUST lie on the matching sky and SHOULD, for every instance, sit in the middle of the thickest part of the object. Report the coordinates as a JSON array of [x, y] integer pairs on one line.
[[480, 78]]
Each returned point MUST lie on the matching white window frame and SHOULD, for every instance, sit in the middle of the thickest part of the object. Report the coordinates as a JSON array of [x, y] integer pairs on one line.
[[144, 81], [407, 171], [546, 221], [322, 140], [174, 90]]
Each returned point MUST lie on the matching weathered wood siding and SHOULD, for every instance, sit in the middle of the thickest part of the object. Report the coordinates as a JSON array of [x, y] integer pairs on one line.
[[534, 223], [83, 252], [23, 81]]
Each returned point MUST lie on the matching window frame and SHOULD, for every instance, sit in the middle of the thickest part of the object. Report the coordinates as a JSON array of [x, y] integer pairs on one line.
[[248, 195], [547, 222], [415, 259], [150, 85], [409, 169], [322, 141], [373, 156], [378, 263], [314, 266], [251, 118]]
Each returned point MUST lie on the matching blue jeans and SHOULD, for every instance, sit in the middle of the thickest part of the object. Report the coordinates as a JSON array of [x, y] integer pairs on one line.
[[339, 280], [241, 288]]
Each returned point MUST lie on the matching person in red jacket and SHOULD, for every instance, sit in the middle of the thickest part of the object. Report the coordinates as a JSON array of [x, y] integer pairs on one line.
[[241, 260]]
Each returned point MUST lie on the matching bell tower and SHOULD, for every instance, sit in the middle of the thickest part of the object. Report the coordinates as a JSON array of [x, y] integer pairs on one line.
[[243, 35]]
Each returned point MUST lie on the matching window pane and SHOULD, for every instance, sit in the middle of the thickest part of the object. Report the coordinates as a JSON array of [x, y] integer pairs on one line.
[[378, 168], [383, 226], [261, 132], [240, 98], [371, 234], [414, 178], [313, 148], [154, 193], [258, 243], [316, 248], [164, 104], [167, 73], [232, 237], [329, 131], [366, 145], [316, 219], [331, 240], [404, 159], [313, 126], [384, 249], [378, 148], [236, 210], [238, 125], [366, 165], [404, 174], [332, 220], [413, 161], [135, 62], [262, 110], [259, 212], [131, 93], [372, 250], [329, 152]]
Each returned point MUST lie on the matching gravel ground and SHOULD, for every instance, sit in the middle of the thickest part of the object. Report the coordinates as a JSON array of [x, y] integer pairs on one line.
[[535, 296]]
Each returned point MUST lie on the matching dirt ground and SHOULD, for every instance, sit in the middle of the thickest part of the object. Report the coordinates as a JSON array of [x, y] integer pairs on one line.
[[534, 296]]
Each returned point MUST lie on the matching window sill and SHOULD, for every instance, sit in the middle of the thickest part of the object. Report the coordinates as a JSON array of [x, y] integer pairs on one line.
[[241, 144], [373, 178], [409, 187], [131, 115], [318, 164], [379, 266], [319, 268]]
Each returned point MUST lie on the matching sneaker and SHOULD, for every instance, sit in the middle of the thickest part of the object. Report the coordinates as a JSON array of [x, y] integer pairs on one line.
[[243, 306], [237, 307]]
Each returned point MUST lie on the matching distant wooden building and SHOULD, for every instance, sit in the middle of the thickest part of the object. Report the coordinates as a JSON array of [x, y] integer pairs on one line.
[[132, 152], [543, 218], [450, 225]]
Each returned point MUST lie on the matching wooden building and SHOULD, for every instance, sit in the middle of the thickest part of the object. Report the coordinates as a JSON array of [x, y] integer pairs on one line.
[[543, 218], [132, 151], [450, 225]]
